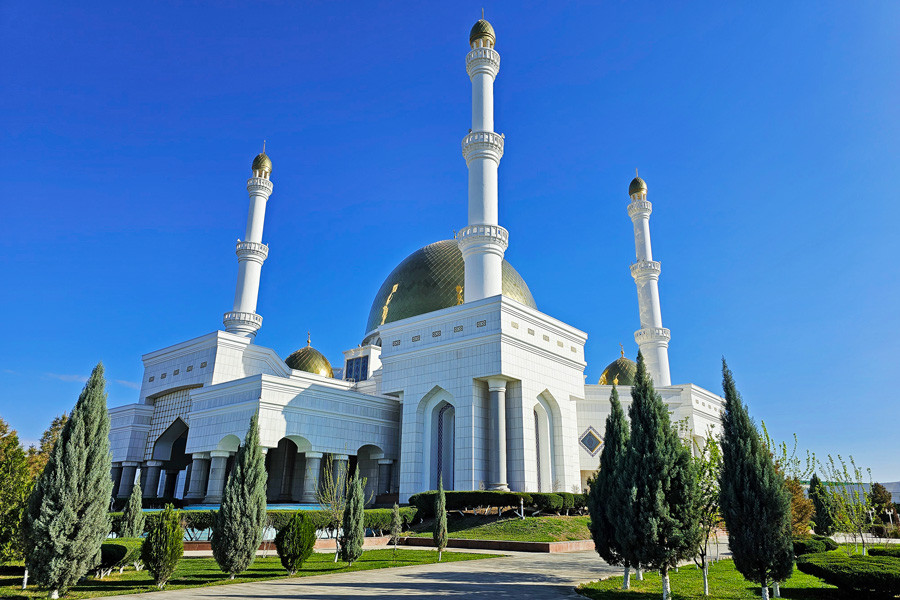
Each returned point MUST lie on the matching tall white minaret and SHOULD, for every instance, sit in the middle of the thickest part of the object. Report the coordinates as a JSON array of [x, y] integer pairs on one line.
[[652, 337], [482, 241], [251, 252]]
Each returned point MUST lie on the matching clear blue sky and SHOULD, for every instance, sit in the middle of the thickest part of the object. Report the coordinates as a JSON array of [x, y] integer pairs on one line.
[[768, 134]]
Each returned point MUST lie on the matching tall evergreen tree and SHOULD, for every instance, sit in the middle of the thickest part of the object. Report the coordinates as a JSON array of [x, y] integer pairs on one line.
[[440, 519], [823, 515], [242, 515], [66, 520], [164, 546], [754, 501], [133, 515], [15, 483], [295, 541], [661, 525], [353, 526], [605, 499]]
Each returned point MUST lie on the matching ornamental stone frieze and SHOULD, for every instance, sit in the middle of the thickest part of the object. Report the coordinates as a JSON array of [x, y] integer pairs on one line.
[[639, 207], [259, 185], [482, 144], [483, 60], [652, 334], [490, 237], [242, 322], [251, 251], [645, 269]]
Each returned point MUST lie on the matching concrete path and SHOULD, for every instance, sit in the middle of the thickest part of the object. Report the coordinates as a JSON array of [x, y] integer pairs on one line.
[[519, 576]]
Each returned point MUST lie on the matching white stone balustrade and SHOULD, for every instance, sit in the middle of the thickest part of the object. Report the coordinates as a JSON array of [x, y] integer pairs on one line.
[[483, 60], [639, 207], [482, 144], [646, 269], [652, 334], [258, 185]]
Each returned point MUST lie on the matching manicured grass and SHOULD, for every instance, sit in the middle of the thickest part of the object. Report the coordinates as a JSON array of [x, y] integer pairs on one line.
[[725, 583], [200, 572], [530, 529]]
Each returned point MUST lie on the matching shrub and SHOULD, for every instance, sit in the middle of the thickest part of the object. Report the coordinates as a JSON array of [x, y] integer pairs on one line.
[[891, 551], [163, 546], [547, 502], [581, 502], [808, 546], [117, 553], [870, 575], [424, 501], [830, 544], [568, 500], [295, 542]]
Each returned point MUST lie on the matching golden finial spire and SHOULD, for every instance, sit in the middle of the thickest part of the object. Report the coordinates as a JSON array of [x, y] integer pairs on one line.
[[264, 148], [308, 339], [482, 13], [635, 172], [622, 350]]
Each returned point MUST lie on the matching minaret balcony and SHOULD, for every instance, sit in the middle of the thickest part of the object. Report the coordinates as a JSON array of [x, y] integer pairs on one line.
[[645, 269], [258, 185], [482, 144], [650, 335], [641, 208], [245, 323], [483, 60], [487, 238], [251, 251]]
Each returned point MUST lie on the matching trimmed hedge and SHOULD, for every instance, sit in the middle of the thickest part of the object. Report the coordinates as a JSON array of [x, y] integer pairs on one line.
[[803, 546], [568, 499], [463, 500], [875, 576], [830, 544], [195, 521], [547, 502], [891, 551], [119, 552]]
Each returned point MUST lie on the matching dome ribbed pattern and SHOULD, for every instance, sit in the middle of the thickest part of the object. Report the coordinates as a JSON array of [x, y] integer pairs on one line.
[[426, 281], [262, 162], [310, 360], [482, 29], [637, 185], [622, 368]]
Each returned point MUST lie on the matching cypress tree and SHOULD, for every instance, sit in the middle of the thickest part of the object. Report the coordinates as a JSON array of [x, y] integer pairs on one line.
[[661, 525], [295, 541], [66, 520], [164, 546], [354, 531], [755, 504], [440, 519], [15, 483], [133, 515], [239, 523], [604, 498], [823, 516]]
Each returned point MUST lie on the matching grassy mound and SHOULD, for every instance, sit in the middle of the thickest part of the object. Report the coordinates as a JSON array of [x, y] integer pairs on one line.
[[530, 529]]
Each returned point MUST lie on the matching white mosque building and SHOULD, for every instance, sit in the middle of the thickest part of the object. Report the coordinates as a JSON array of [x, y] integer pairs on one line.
[[458, 374]]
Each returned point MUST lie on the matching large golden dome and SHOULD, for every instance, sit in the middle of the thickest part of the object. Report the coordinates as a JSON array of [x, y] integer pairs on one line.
[[430, 279], [310, 360]]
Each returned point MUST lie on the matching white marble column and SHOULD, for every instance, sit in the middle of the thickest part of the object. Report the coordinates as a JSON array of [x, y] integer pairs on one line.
[[311, 478], [217, 467], [497, 434], [199, 477], [115, 473], [340, 464], [151, 479], [385, 471], [129, 470]]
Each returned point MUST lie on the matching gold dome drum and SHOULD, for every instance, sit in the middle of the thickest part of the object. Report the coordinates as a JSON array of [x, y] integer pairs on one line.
[[310, 360]]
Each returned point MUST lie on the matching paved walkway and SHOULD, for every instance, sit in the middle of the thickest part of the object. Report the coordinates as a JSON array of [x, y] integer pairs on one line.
[[521, 575], [517, 575]]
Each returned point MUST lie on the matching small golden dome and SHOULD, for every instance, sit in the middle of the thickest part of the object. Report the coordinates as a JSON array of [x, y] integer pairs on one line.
[[637, 185], [482, 29], [310, 360], [620, 371], [263, 163]]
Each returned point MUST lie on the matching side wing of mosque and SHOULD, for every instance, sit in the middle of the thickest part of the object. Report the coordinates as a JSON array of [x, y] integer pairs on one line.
[[458, 376]]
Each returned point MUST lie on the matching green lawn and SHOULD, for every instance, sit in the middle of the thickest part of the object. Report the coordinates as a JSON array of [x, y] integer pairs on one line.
[[198, 572], [531, 529], [725, 583]]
